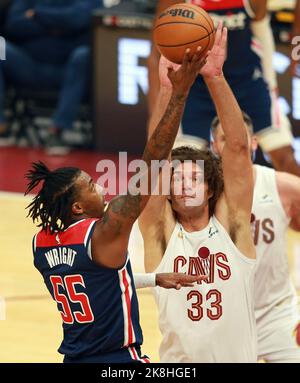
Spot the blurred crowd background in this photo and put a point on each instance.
(74, 73)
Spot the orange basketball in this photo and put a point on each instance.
(183, 26)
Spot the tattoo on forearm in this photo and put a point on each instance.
(162, 139)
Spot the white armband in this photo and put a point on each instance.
(144, 280)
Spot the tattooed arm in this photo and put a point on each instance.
(110, 237)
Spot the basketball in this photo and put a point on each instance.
(183, 26)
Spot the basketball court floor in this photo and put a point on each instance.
(30, 325)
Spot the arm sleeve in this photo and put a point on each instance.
(73, 17)
(19, 26)
(144, 280)
(262, 31)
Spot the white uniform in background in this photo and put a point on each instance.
(213, 321)
(276, 300)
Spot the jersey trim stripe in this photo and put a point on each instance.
(88, 241)
(126, 288)
(135, 356)
(88, 233)
(74, 224)
(34, 243)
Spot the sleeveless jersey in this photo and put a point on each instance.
(214, 320)
(98, 305)
(244, 52)
(273, 287)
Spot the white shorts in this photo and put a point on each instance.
(277, 341)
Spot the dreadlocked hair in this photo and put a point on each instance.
(213, 174)
(52, 205)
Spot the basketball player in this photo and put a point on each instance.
(81, 250)
(213, 322)
(249, 58)
(276, 204)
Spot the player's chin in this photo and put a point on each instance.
(189, 202)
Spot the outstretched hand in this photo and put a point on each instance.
(216, 57)
(180, 78)
(164, 64)
(177, 280)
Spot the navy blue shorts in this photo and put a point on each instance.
(125, 355)
(253, 97)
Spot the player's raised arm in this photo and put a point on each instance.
(236, 159)
(153, 60)
(110, 239)
(157, 211)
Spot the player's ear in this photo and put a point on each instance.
(77, 208)
(209, 193)
(214, 148)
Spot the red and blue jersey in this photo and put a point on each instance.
(98, 305)
(244, 52)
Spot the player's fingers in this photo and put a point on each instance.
(170, 72)
(197, 55)
(186, 57)
(202, 63)
(219, 33)
(192, 278)
(224, 38)
(178, 286)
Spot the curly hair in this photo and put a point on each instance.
(213, 174)
(52, 204)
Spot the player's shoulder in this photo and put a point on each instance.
(286, 182)
(76, 233)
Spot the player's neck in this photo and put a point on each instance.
(194, 220)
(76, 218)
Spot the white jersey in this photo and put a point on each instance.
(273, 287)
(213, 321)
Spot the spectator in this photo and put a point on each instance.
(48, 48)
